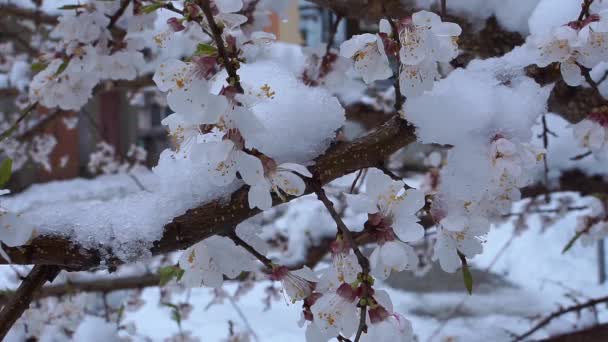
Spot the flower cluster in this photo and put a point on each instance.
(419, 42)
(88, 52)
(579, 43)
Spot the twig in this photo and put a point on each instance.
(24, 295)
(22, 117)
(540, 211)
(116, 16)
(581, 156)
(399, 98)
(346, 233)
(243, 317)
(444, 8)
(240, 242)
(233, 78)
(352, 187)
(585, 9)
(545, 162)
(558, 313)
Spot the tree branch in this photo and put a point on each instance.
(218, 217)
(558, 313)
(24, 295)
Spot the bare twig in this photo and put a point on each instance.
(399, 98)
(26, 112)
(24, 295)
(116, 16)
(261, 257)
(585, 5)
(346, 233)
(558, 313)
(233, 78)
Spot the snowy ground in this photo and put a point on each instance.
(533, 262)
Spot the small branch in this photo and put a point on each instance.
(399, 98)
(261, 257)
(558, 313)
(22, 117)
(233, 78)
(585, 9)
(116, 16)
(24, 295)
(581, 156)
(362, 326)
(547, 211)
(346, 233)
(444, 8)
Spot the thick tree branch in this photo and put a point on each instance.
(24, 295)
(219, 217)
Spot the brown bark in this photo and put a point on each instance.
(218, 217)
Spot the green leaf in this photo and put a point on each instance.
(573, 240)
(5, 171)
(169, 273)
(71, 7)
(205, 50)
(466, 273)
(62, 67)
(468, 278)
(38, 67)
(153, 7)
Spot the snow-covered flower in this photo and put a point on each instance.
(298, 284)
(367, 52)
(208, 261)
(282, 180)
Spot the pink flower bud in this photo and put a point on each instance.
(175, 24)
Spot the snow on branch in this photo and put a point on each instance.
(218, 217)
